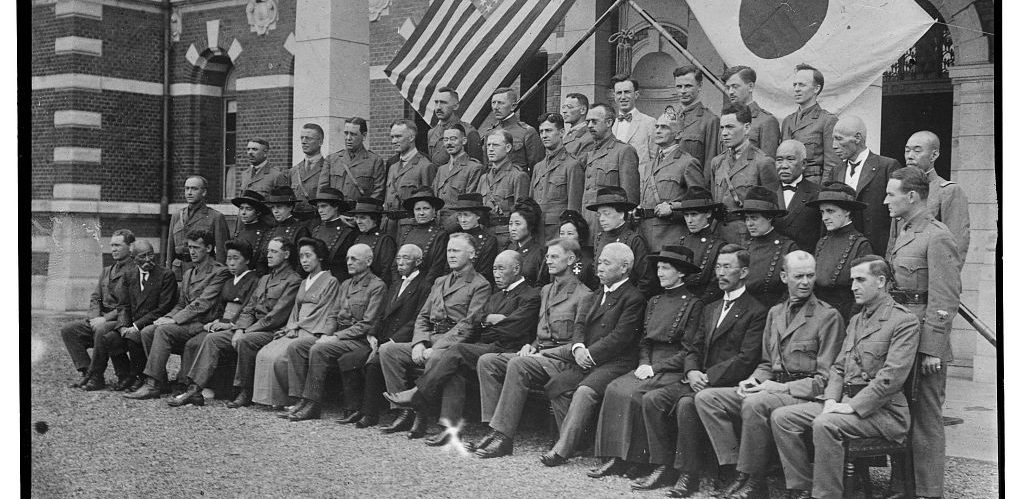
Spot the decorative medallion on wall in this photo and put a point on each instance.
(262, 16)
(379, 9)
(176, 25)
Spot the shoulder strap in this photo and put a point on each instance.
(349, 172)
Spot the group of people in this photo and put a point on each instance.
(666, 283)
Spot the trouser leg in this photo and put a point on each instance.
(132, 345)
(490, 372)
(788, 427)
(207, 356)
(830, 431)
(248, 347)
(298, 364)
(100, 349)
(523, 374)
(718, 408)
(78, 338)
(146, 334)
(691, 439)
(320, 357)
(584, 406)
(165, 339)
(373, 400)
(756, 434)
(395, 361)
(929, 434)
(660, 422)
(188, 355)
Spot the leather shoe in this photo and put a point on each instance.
(194, 395)
(351, 417)
(122, 384)
(799, 494)
(613, 466)
(754, 487)
(289, 411)
(243, 399)
(136, 384)
(311, 410)
(552, 459)
(438, 439)
(661, 476)
(419, 427)
(367, 421)
(402, 423)
(687, 485)
(80, 383)
(176, 388)
(737, 484)
(499, 445)
(150, 390)
(480, 444)
(94, 384)
(637, 470)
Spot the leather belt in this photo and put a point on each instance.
(496, 220)
(784, 377)
(644, 213)
(851, 390)
(441, 327)
(910, 297)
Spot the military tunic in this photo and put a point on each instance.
(384, 250)
(813, 127)
(435, 144)
(533, 252)
(263, 177)
(461, 175)
(184, 221)
(767, 255)
(948, 204)
(305, 182)
(501, 185)
(403, 178)
(609, 163)
(367, 168)
(833, 254)
(699, 134)
(557, 185)
(705, 245)
(578, 140)
(339, 237)
(432, 239)
(764, 130)
(630, 237)
(732, 175)
(673, 171)
(527, 149)
(255, 233)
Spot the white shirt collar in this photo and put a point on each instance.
(514, 284)
(796, 182)
(412, 275)
(406, 156)
(613, 287)
(734, 294)
(240, 276)
(862, 156)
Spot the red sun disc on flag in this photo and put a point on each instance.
(776, 28)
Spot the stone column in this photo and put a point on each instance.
(973, 167)
(76, 255)
(589, 69)
(332, 50)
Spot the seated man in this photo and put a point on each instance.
(266, 311)
(446, 318)
(864, 393)
(359, 307)
(200, 287)
(801, 339)
(507, 320)
(563, 309)
(146, 295)
(79, 335)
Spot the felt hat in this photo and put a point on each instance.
(839, 194)
(253, 198)
(423, 194)
(614, 196)
(761, 200)
(679, 256)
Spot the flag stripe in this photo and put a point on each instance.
(431, 25)
(424, 91)
(416, 41)
(454, 31)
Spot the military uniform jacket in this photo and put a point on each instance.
(879, 350)
(105, 299)
(486, 246)
(669, 316)
(234, 296)
(611, 163)
(833, 255)
(384, 250)
(767, 254)
(764, 130)
(367, 168)
(360, 305)
(500, 186)
(813, 127)
(305, 182)
(200, 288)
(562, 312)
(699, 134)
(672, 172)
(403, 179)
(459, 176)
(291, 229)
(803, 223)
(401, 310)
(557, 184)
(636, 242)
(439, 155)
(732, 175)
(705, 245)
(578, 140)
(948, 204)
(143, 306)
(527, 149)
(272, 300)
(520, 306)
(257, 234)
(806, 344)
(183, 222)
(264, 179)
(924, 258)
(454, 303)
(316, 308)
(728, 353)
(433, 240)
(534, 268)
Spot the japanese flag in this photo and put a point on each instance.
(852, 42)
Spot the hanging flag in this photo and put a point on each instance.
(472, 46)
(852, 42)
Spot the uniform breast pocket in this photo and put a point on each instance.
(560, 324)
(275, 291)
(606, 175)
(356, 309)
(805, 356)
(365, 183)
(692, 140)
(912, 273)
(813, 145)
(518, 147)
(406, 185)
(872, 356)
(557, 187)
(668, 188)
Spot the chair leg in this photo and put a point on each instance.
(860, 469)
(849, 479)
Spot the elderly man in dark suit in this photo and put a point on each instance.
(608, 163)
(863, 396)
(801, 340)
(304, 176)
(868, 173)
(723, 350)
(802, 223)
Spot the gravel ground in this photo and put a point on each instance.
(98, 443)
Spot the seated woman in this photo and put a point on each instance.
(313, 315)
(333, 229)
(367, 213)
(839, 246)
(524, 233)
(621, 434)
(472, 216)
(767, 246)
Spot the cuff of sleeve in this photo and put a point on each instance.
(577, 345)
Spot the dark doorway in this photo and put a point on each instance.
(533, 107)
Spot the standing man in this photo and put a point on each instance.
(740, 167)
(802, 223)
(609, 163)
(764, 126)
(446, 106)
(672, 171)
(946, 200)
(502, 184)
(699, 133)
(408, 170)
(801, 339)
(927, 277)
(867, 173)
(863, 395)
(459, 175)
(194, 216)
(632, 126)
(575, 137)
(79, 335)
(305, 175)
(261, 176)
(558, 179)
(811, 124)
(355, 170)
(526, 147)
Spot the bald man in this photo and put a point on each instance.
(195, 215)
(801, 223)
(867, 173)
(946, 200)
(507, 321)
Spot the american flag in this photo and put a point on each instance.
(474, 46)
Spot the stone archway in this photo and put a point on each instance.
(652, 61)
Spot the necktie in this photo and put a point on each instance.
(661, 156)
(405, 284)
(853, 167)
(789, 187)
(142, 282)
(625, 117)
(794, 307)
(604, 297)
(726, 304)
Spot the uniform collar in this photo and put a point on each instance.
(408, 155)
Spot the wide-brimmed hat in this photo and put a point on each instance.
(679, 256)
(761, 200)
(839, 194)
(614, 196)
(253, 198)
(472, 201)
(423, 194)
(281, 194)
(697, 198)
(367, 206)
(332, 195)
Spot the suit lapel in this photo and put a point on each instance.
(562, 295)
(868, 170)
(799, 320)
(451, 288)
(737, 309)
